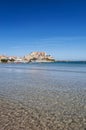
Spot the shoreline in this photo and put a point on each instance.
(33, 62)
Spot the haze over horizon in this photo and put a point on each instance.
(57, 27)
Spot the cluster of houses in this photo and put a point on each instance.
(11, 59)
(32, 57)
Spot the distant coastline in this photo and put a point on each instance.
(35, 57)
(32, 57)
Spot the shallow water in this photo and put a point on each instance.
(18, 81)
(53, 90)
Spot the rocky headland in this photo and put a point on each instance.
(32, 57)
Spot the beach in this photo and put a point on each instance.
(43, 97)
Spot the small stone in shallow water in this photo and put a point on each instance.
(85, 107)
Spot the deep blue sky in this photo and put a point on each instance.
(55, 26)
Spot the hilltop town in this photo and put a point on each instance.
(32, 57)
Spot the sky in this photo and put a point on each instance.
(57, 27)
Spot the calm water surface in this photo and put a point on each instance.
(44, 86)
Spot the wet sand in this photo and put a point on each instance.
(16, 116)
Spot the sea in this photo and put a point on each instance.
(52, 89)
